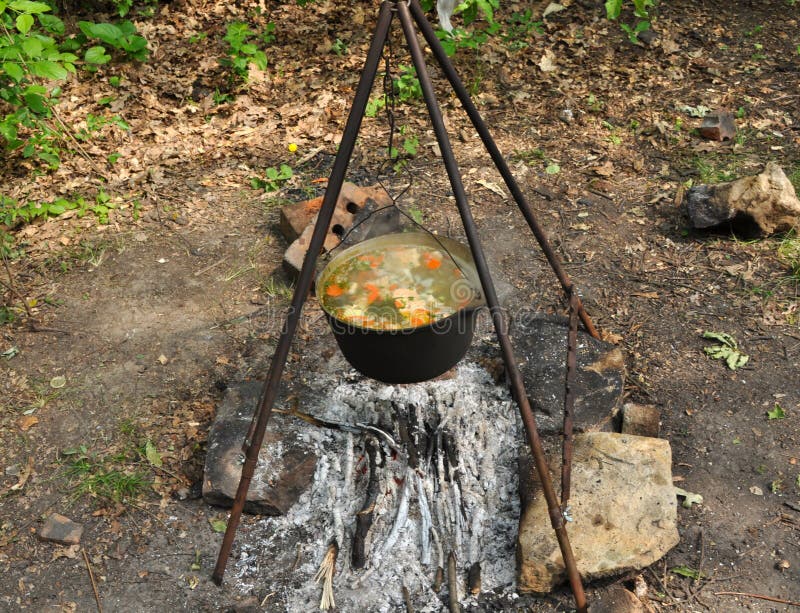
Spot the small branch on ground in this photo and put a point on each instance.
(94, 584)
(760, 597)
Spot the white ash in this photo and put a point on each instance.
(476, 515)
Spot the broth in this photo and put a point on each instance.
(395, 287)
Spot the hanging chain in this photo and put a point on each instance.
(390, 99)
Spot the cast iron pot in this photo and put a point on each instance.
(412, 354)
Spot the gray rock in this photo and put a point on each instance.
(624, 508)
(540, 345)
(285, 464)
(766, 201)
(60, 529)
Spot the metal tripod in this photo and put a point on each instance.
(409, 13)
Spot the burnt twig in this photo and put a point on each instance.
(344, 427)
(407, 600)
(474, 579)
(406, 437)
(365, 516)
(452, 584)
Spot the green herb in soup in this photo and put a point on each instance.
(394, 287)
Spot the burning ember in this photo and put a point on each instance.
(409, 477)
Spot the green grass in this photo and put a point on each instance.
(275, 288)
(712, 169)
(113, 477)
(794, 177)
(789, 253)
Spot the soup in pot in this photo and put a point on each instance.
(395, 287)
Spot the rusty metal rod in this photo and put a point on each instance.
(569, 400)
(272, 382)
(514, 375)
(497, 157)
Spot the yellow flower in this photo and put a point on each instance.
(292, 147)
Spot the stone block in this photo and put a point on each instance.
(60, 529)
(641, 420)
(350, 208)
(718, 126)
(296, 216)
(285, 465)
(352, 198)
(623, 506)
(540, 344)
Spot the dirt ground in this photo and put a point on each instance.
(140, 324)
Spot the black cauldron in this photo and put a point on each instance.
(413, 354)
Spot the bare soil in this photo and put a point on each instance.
(149, 318)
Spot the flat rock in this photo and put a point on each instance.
(60, 529)
(285, 465)
(540, 344)
(624, 509)
(760, 205)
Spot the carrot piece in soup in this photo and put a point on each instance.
(334, 290)
(373, 294)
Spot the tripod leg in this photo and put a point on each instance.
(270, 389)
(497, 157)
(514, 375)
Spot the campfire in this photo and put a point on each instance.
(409, 478)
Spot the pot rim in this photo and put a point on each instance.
(463, 260)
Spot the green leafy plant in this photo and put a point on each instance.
(686, 571)
(244, 50)
(29, 57)
(95, 123)
(776, 413)
(633, 32)
(727, 350)
(712, 169)
(519, 28)
(640, 11)
(121, 36)
(14, 214)
(339, 47)
(35, 54)
(594, 103)
(274, 178)
(375, 105)
(406, 86)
